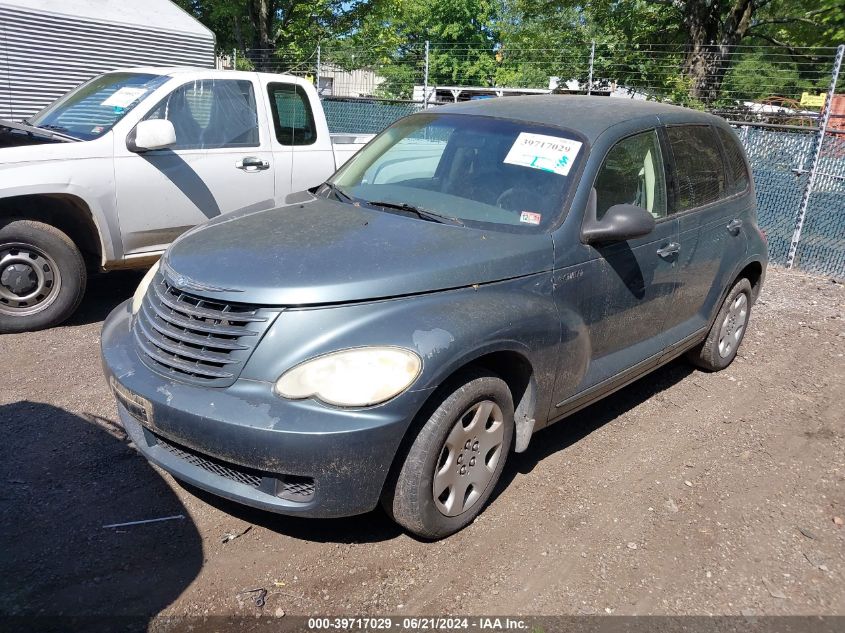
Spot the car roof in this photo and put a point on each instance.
(588, 115)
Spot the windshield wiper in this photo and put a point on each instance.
(339, 193)
(424, 214)
(56, 130)
(34, 130)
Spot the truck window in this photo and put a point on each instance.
(698, 165)
(211, 114)
(632, 173)
(92, 109)
(736, 163)
(292, 116)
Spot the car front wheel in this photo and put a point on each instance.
(453, 465)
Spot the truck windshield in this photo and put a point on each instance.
(482, 171)
(92, 109)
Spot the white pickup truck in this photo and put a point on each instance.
(108, 175)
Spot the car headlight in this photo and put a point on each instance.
(352, 378)
(146, 280)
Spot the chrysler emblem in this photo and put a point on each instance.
(183, 282)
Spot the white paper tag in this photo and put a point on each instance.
(123, 97)
(539, 151)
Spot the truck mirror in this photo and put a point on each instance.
(151, 134)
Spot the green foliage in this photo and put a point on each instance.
(757, 76)
(393, 35)
(290, 27)
(641, 44)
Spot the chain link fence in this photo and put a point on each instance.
(782, 103)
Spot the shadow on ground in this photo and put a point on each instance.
(64, 477)
(105, 291)
(376, 526)
(372, 527)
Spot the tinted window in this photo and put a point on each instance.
(698, 164)
(292, 115)
(736, 162)
(632, 173)
(484, 171)
(211, 113)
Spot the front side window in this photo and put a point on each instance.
(698, 165)
(211, 114)
(479, 170)
(292, 116)
(92, 109)
(736, 161)
(633, 173)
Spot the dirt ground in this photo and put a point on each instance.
(686, 493)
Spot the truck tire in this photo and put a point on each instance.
(42, 276)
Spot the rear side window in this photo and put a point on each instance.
(211, 114)
(632, 173)
(698, 165)
(736, 163)
(292, 116)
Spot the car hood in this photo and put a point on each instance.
(321, 252)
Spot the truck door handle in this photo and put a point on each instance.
(251, 163)
(672, 248)
(734, 226)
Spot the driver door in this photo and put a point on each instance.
(222, 161)
(639, 275)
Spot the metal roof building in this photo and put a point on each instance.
(48, 47)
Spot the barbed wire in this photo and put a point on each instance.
(755, 83)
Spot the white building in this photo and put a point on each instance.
(334, 81)
(51, 46)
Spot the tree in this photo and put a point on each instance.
(714, 28)
(276, 33)
(393, 34)
(705, 34)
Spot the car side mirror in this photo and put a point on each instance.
(151, 134)
(620, 222)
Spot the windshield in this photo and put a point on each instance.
(92, 109)
(479, 170)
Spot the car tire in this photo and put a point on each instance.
(456, 459)
(720, 347)
(42, 276)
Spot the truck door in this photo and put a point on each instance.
(222, 161)
(300, 136)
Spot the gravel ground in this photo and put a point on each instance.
(685, 493)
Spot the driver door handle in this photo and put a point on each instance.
(734, 226)
(251, 163)
(671, 249)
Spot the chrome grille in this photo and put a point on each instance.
(196, 339)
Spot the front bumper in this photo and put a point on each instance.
(246, 444)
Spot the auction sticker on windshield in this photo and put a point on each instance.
(539, 151)
(123, 97)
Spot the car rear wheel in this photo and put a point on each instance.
(42, 276)
(720, 347)
(453, 465)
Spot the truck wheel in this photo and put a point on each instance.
(456, 459)
(42, 276)
(722, 342)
